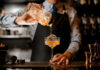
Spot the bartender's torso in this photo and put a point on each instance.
(61, 28)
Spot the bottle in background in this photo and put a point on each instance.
(3, 53)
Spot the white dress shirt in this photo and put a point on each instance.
(75, 32)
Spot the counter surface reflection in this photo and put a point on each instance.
(76, 65)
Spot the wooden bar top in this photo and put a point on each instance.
(46, 64)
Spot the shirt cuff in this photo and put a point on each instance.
(73, 47)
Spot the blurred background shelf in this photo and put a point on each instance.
(15, 36)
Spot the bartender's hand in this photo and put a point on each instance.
(61, 58)
(26, 18)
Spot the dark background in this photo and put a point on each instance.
(89, 35)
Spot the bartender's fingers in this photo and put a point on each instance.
(55, 59)
(18, 19)
(30, 20)
(57, 55)
(61, 60)
(67, 61)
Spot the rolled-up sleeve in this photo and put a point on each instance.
(75, 34)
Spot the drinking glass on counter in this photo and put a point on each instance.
(52, 41)
(93, 55)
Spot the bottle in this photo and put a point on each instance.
(2, 46)
(83, 2)
(93, 28)
(86, 26)
(96, 2)
(3, 53)
(98, 28)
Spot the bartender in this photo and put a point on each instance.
(65, 26)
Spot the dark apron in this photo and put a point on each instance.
(61, 28)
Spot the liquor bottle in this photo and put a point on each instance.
(86, 26)
(96, 2)
(93, 28)
(83, 2)
(2, 46)
(93, 2)
(98, 30)
(3, 53)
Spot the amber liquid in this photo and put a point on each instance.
(44, 20)
(52, 44)
(2, 45)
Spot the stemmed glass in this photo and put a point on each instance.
(93, 54)
(52, 41)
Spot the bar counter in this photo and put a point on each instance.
(79, 65)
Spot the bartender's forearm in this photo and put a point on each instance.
(75, 37)
(73, 47)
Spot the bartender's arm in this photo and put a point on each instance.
(73, 46)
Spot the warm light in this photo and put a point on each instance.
(13, 8)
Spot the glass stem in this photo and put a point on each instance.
(51, 53)
(51, 29)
